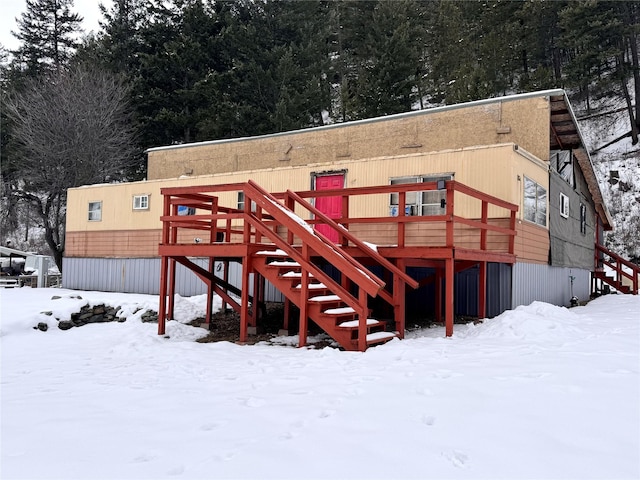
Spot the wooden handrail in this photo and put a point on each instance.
(362, 247)
(370, 283)
(617, 264)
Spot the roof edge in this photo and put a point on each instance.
(426, 111)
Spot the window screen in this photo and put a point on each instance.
(95, 211)
(535, 202)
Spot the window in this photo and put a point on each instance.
(184, 210)
(583, 219)
(95, 211)
(564, 206)
(535, 202)
(241, 202)
(562, 162)
(141, 202)
(429, 202)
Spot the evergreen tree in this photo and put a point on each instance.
(278, 67)
(392, 53)
(47, 31)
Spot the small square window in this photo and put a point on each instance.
(141, 202)
(95, 211)
(564, 206)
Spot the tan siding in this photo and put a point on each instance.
(494, 170)
(532, 243)
(119, 243)
(137, 243)
(523, 121)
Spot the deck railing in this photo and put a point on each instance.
(604, 256)
(227, 224)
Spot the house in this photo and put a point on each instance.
(467, 209)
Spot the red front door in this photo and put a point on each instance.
(330, 206)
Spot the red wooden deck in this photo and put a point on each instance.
(275, 237)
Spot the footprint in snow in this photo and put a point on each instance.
(427, 392)
(144, 457)
(326, 413)
(457, 458)
(178, 470)
(253, 402)
(210, 426)
(428, 420)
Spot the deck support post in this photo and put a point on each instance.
(244, 302)
(362, 320)
(304, 313)
(162, 309)
(438, 295)
(482, 291)
(253, 320)
(449, 304)
(287, 312)
(399, 303)
(210, 292)
(172, 287)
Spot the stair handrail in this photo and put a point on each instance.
(362, 246)
(320, 244)
(620, 261)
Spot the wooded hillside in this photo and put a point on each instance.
(202, 70)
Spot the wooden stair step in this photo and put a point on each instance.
(378, 337)
(326, 299)
(339, 311)
(296, 275)
(283, 264)
(313, 286)
(355, 323)
(272, 253)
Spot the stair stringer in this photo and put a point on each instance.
(347, 337)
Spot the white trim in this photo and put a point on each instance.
(564, 205)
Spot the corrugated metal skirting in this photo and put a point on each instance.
(142, 275)
(549, 284)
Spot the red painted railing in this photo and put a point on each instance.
(604, 256)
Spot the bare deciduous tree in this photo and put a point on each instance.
(69, 129)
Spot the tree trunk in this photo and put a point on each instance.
(632, 120)
(635, 68)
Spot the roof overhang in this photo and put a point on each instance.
(565, 135)
(12, 252)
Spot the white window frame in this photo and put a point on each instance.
(564, 206)
(95, 211)
(535, 209)
(240, 202)
(422, 203)
(141, 202)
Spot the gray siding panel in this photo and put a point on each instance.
(569, 246)
(142, 275)
(549, 284)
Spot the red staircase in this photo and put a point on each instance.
(329, 309)
(620, 269)
(274, 241)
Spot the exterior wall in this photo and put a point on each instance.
(532, 243)
(549, 284)
(522, 120)
(142, 275)
(569, 246)
(495, 170)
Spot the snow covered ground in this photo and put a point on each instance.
(539, 392)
